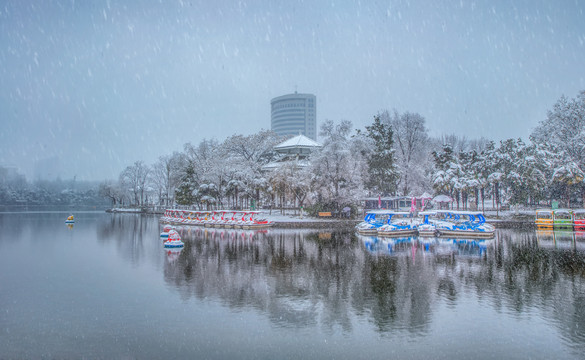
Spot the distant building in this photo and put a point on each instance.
(296, 149)
(294, 114)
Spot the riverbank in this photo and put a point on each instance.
(338, 223)
(501, 219)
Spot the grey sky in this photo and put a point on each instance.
(89, 87)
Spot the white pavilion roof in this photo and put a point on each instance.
(299, 141)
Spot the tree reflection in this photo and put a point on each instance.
(304, 278)
(128, 232)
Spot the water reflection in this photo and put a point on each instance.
(335, 279)
(409, 246)
(129, 232)
(561, 239)
(172, 254)
(387, 245)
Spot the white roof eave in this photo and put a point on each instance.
(298, 141)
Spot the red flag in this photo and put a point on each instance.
(379, 202)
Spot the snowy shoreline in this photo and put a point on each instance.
(500, 219)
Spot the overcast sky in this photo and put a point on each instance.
(89, 87)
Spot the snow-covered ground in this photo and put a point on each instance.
(277, 217)
(510, 215)
(126, 210)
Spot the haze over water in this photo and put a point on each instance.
(106, 288)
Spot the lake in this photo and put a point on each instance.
(106, 288)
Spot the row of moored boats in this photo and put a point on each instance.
(237, 219)
(448, 223)
(560, 219)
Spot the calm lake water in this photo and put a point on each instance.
(106, 288)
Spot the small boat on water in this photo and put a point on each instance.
(579, 219)
(254, 220)
(165, 233)
(227, 219)
(562, 219)
(372, 221)
(399, 224)
(174, 240)
(214, 219)
(463, 224)
(544, 218)
(232, 221)
(70, 220)
(218, 219)
(427, 227)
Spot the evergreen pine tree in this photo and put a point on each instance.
(382, 171)
(185, 193)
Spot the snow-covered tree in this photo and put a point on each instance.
(565, 127)
(300, 184)
(412, 151)
(486, 166)
(382, 170)
(209, 164)
(509, 155)
(204, 158)
(448, 172)
(293, 181)
(112, 191)
(568, 175)
(533, 174)
(208, 195)
(256, 149)
(281, 181)
(186, 192)
(564, 130)
(166, 176)
(336, 169)
(134, 178)
(245, 156)
(470, 178)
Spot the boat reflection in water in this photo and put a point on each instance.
(560, 239)
(386, 245)
(468, 247)
(436, 245)
(193, 233)
(172, 254)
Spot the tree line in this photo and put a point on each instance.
(16, 192)
(393, 156)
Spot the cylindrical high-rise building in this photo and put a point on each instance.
(294, 114)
